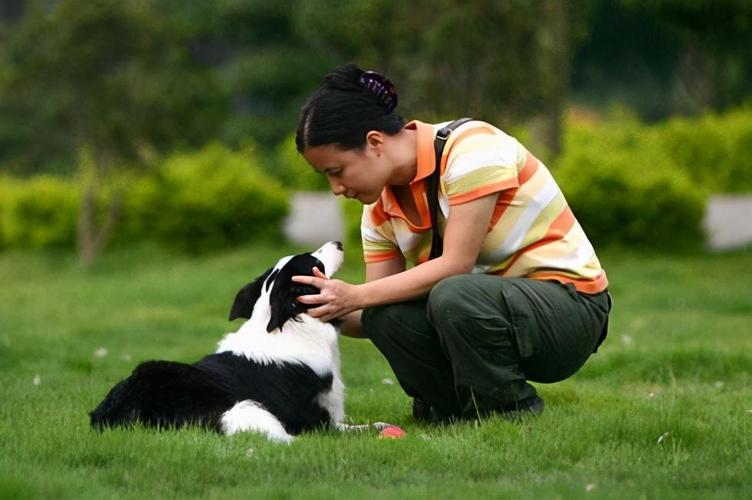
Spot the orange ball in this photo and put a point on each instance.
(392, 432)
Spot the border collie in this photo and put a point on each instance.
(278, 375)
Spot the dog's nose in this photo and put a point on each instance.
(339, 245)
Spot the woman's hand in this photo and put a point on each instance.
(336, 298)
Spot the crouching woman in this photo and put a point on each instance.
(515, 292)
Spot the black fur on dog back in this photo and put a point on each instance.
(169, 394)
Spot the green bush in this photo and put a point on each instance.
(39, 212)
(198, 201)
(7, 184)
(625, 187)
(627, 183)
(352, 211)
(290, 168)
(210, 199)
(714, 150)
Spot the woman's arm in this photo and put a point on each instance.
(351, 326)
(379, 270)
(466, 229)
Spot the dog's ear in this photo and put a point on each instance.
(246, 298)
(285, 305)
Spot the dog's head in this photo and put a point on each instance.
(276, 285)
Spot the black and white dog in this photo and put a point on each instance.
(278, 375)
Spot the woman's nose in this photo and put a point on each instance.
(336, 187)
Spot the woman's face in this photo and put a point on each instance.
(356, 173)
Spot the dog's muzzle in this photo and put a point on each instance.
(331, 255)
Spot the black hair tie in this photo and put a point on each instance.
(381, 87)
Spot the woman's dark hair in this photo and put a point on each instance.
(350, 103)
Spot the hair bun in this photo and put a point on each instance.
(381, 87)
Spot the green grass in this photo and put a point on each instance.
(664, 410)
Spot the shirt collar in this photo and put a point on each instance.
(426, 155)
(425, 165)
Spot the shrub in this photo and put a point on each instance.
(714, 150)
(625, 187)
(290, 168)
(7, 184)
(39, 212)
(352, 211)
(209, 199)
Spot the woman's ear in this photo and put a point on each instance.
(375, 140)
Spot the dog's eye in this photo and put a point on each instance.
(304, 290)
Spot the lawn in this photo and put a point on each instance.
(664, 410)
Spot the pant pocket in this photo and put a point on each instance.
(604, 332)
(520, 335)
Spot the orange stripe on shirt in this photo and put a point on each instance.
(483, 191)
(560, 226)
(556, 231)
(529, 169)
(456, 138)
(592, 287)
(505, 198)
(371, 257)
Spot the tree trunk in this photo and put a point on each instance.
(695, 86)
(92, 239)
(554, 58)
(93, 234)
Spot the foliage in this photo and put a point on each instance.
(352, 212)
(627, 182)
(133, 77)
(624, 187)
(683, 57)
(165, 73)
(110, 78)
(208, 200)
(714, 150)
(257, 57)
(7, 184)
(205, 200)
(466, 58)
(290, 168)
(39, 212)
(109, 75)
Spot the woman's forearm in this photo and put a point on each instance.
(410, 284)
(351, 326)
(466, 229)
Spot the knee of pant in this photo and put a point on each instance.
(448, 297)
(378, 321)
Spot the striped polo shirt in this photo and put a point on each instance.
(532, 233)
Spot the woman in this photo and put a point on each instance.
(517, 294)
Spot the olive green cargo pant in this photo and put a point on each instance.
(475, 341)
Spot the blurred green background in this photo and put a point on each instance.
(174, 120)
(147, 163)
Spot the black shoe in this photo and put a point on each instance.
(532, 406)
(422, 412)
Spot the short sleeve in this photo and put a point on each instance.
(480, 165)
(377, 235)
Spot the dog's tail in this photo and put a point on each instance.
(163, 394)
(120, 407)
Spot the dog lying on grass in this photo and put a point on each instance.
(278, 375)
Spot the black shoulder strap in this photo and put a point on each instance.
(432, 185)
